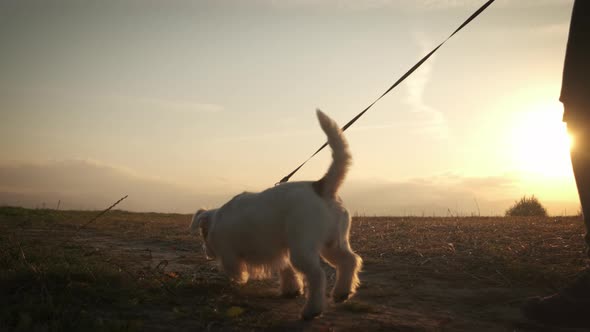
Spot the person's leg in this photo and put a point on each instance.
(570, 307)
(580, 155)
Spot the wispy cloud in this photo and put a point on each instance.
(433, 121)
(178, 105)
(417, 5)
(335, 4)
(446, 4)
(271, 135)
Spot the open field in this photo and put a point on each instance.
(144, 272)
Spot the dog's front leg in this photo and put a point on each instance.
(291, 285)
(308, 263)
(235, 269)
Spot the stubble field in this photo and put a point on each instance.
(144, 272)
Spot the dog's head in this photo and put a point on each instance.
(202, 221)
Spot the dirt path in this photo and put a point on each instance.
(394, 296)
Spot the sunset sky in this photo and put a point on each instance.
(183, 104)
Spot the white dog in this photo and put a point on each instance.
(288, 228)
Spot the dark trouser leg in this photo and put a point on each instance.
(580, 155)
(570, 307)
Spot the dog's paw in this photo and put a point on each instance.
(339, 298)
(310, 314)
(291, 294)
(312, 309)
(238, 278)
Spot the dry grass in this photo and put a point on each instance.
(142, 271)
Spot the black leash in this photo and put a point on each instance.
(401, 79)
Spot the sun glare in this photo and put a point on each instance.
(541, 142)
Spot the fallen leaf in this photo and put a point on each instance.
(234, 311)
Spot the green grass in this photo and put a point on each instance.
(64, 288)
(51, 279)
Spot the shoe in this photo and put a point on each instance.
(569, 307)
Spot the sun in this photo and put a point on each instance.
(540, 141)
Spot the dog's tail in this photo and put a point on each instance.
(328, 185)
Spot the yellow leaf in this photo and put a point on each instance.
(234, 311)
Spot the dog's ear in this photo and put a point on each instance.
(204, 222)
(197, 220)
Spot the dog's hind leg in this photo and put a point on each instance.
(307, 261)
(291, 285)
(347, 265)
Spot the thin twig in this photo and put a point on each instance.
(38, 273)
(477, 204)
(24, 257)
(91, 221)
(102, 213)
